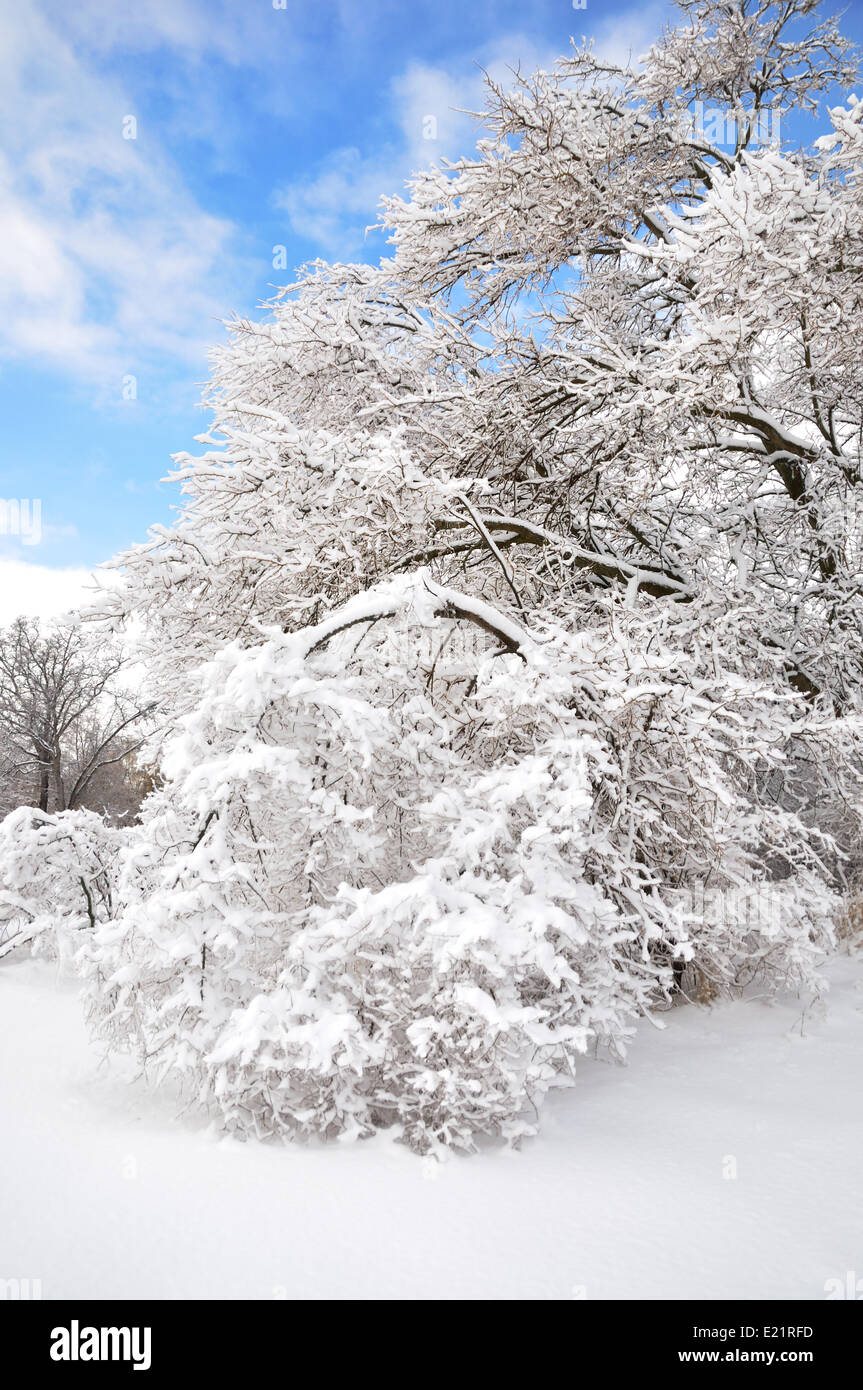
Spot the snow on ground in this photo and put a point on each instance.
(107, 1193)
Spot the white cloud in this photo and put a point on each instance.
(36, 591)
(221, 28)
(624, 38)
(109, 261)
(333, 208)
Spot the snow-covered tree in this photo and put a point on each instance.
(67, 722)
(57, 878)
(512, 618)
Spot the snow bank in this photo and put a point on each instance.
(107, 1193)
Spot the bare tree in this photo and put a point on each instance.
(65, 718)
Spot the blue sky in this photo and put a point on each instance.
(254, 127)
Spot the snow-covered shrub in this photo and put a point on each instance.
(363, 901)
(57, 876)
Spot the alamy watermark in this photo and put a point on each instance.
(720, 126)
(77, 1343)
(850, 1288)
(22, 517)
(20, 1290)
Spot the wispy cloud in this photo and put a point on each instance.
(625, 37)
(108, 258)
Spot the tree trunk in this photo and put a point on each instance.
(59, 788)
(42, 793)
